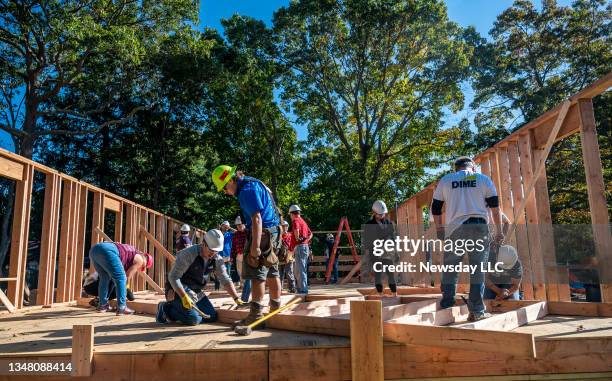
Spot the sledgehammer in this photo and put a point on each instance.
(246, 330)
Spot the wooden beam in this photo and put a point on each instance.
(20, 236)
(367, 361)
(82, 350)
(351, 273)
(97, 220)
(528, 205)
(80, 249)
(11, 169)
(48, 241)
(516, 344)
(7, 303)
(510, 320)
(522, 242)
(597, 196)
(455, 314)
(542, 160)
(102, 235)
(119, 225)
(112, 204)
(144, 233)
(557, 278)
(151, 282)
(580, 309)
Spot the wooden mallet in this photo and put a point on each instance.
(246, 330)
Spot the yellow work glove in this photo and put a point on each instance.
(187, 302)
(239, 302)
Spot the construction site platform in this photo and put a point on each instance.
(311, 341)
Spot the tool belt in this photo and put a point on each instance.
(269, 245)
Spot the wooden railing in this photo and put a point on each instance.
(68, 228)
(512, 164)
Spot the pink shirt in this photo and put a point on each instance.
(127, 254)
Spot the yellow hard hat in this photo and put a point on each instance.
(222, 175)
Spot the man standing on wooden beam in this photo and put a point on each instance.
(467, 196)
(262, 220)
(186, 281)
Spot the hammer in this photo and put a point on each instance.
(246, 330)
(205, 316)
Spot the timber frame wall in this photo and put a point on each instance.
(69, 229)
(512, 164)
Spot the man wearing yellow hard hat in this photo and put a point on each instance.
(262, 221)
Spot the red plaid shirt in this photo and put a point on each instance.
(238, 243)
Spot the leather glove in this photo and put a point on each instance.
(187, 302)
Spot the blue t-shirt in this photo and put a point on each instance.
(254, 197)
(227, 243)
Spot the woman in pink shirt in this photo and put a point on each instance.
(117, 262)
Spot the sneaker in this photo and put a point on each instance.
(125, 310)
(473, 317)
(160, 317)
(292, 291)
(104, 308)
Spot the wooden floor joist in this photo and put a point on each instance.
(510, 320)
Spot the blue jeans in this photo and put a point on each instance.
(489, 294)
(175, 311)
(301, 253)
(287, 270)
(246, 290)
(106, 261)
(474, 231)
(334, 274)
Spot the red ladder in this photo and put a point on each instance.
(343, 224)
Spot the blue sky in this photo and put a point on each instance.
(479, 13)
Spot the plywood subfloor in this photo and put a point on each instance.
(50, 330)
(558, 327)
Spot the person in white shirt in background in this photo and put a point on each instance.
(468, 196)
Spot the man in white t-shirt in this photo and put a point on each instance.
(468, 196)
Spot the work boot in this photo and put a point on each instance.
(473, 317)
(274, 305)
(255, 313)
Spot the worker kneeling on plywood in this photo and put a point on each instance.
(186, 301)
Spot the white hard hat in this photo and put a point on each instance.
(379, 207)
(185, 228)
(238, 221)
(508, 256)
(214, 239)
(285, 223)
(294, 208)
(225, 223)
(330, 236)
